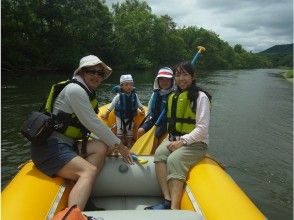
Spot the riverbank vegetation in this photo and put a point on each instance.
(280, 55)
(289, 74)
(52, 35)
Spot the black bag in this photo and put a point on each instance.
(37, 128)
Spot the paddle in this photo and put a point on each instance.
(198, 55)
(144, 144)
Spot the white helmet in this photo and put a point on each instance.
(126, 78)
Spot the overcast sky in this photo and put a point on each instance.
(255, 24)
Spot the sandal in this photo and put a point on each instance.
(166, 204)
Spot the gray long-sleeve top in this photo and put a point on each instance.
(74, 99)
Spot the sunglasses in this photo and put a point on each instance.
(96, 72)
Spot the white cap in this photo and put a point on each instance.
(92, 60)
(126, 78)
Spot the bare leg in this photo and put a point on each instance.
(129, 141)
(122, 138)
(85, 174)
(161, 173)
(96, 153)
(155, 145)
(140, 132)
(176, 191)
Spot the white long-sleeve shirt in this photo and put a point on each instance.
(74, 99)
(200, 133)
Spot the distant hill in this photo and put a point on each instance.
(280, 55)
(283, 49)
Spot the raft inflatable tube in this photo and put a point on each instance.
(211, 191)
(33, 195)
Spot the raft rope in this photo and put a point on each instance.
(193, 200)
(56, 201)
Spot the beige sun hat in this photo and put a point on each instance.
(92, 60)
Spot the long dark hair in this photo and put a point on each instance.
(193, 90)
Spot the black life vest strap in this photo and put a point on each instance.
(85, 138)
(125, 123)
(172, 121)
(63, 120)
(183, 120)
(91, 95)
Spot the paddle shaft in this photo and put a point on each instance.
(198, 55)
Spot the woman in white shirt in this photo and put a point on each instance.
(188, 114)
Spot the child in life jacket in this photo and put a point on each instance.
(125, 104)
(156, 115)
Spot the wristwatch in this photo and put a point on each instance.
(115, 146)
(183, 141)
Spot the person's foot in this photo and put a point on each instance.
(166, 204)
(93, 218)
(90, 206)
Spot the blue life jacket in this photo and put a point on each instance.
(127, 106)
(158, 105)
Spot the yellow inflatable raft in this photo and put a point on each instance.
(124, 190)
(33, 195)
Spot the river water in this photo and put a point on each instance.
(250, 132)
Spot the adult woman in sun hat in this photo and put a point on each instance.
(156, 115)
(74, 107)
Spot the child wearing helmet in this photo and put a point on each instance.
(125, 104)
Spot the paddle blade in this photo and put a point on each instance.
(144, 145)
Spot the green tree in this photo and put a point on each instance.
(133, 29)
(74, 29)
(53, 33)
(238, 48)
(20, 34)
(168, 46)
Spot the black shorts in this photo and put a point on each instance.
(52, 156)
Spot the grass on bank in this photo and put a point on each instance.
(289, 73)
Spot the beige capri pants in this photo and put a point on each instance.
(181, 160)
